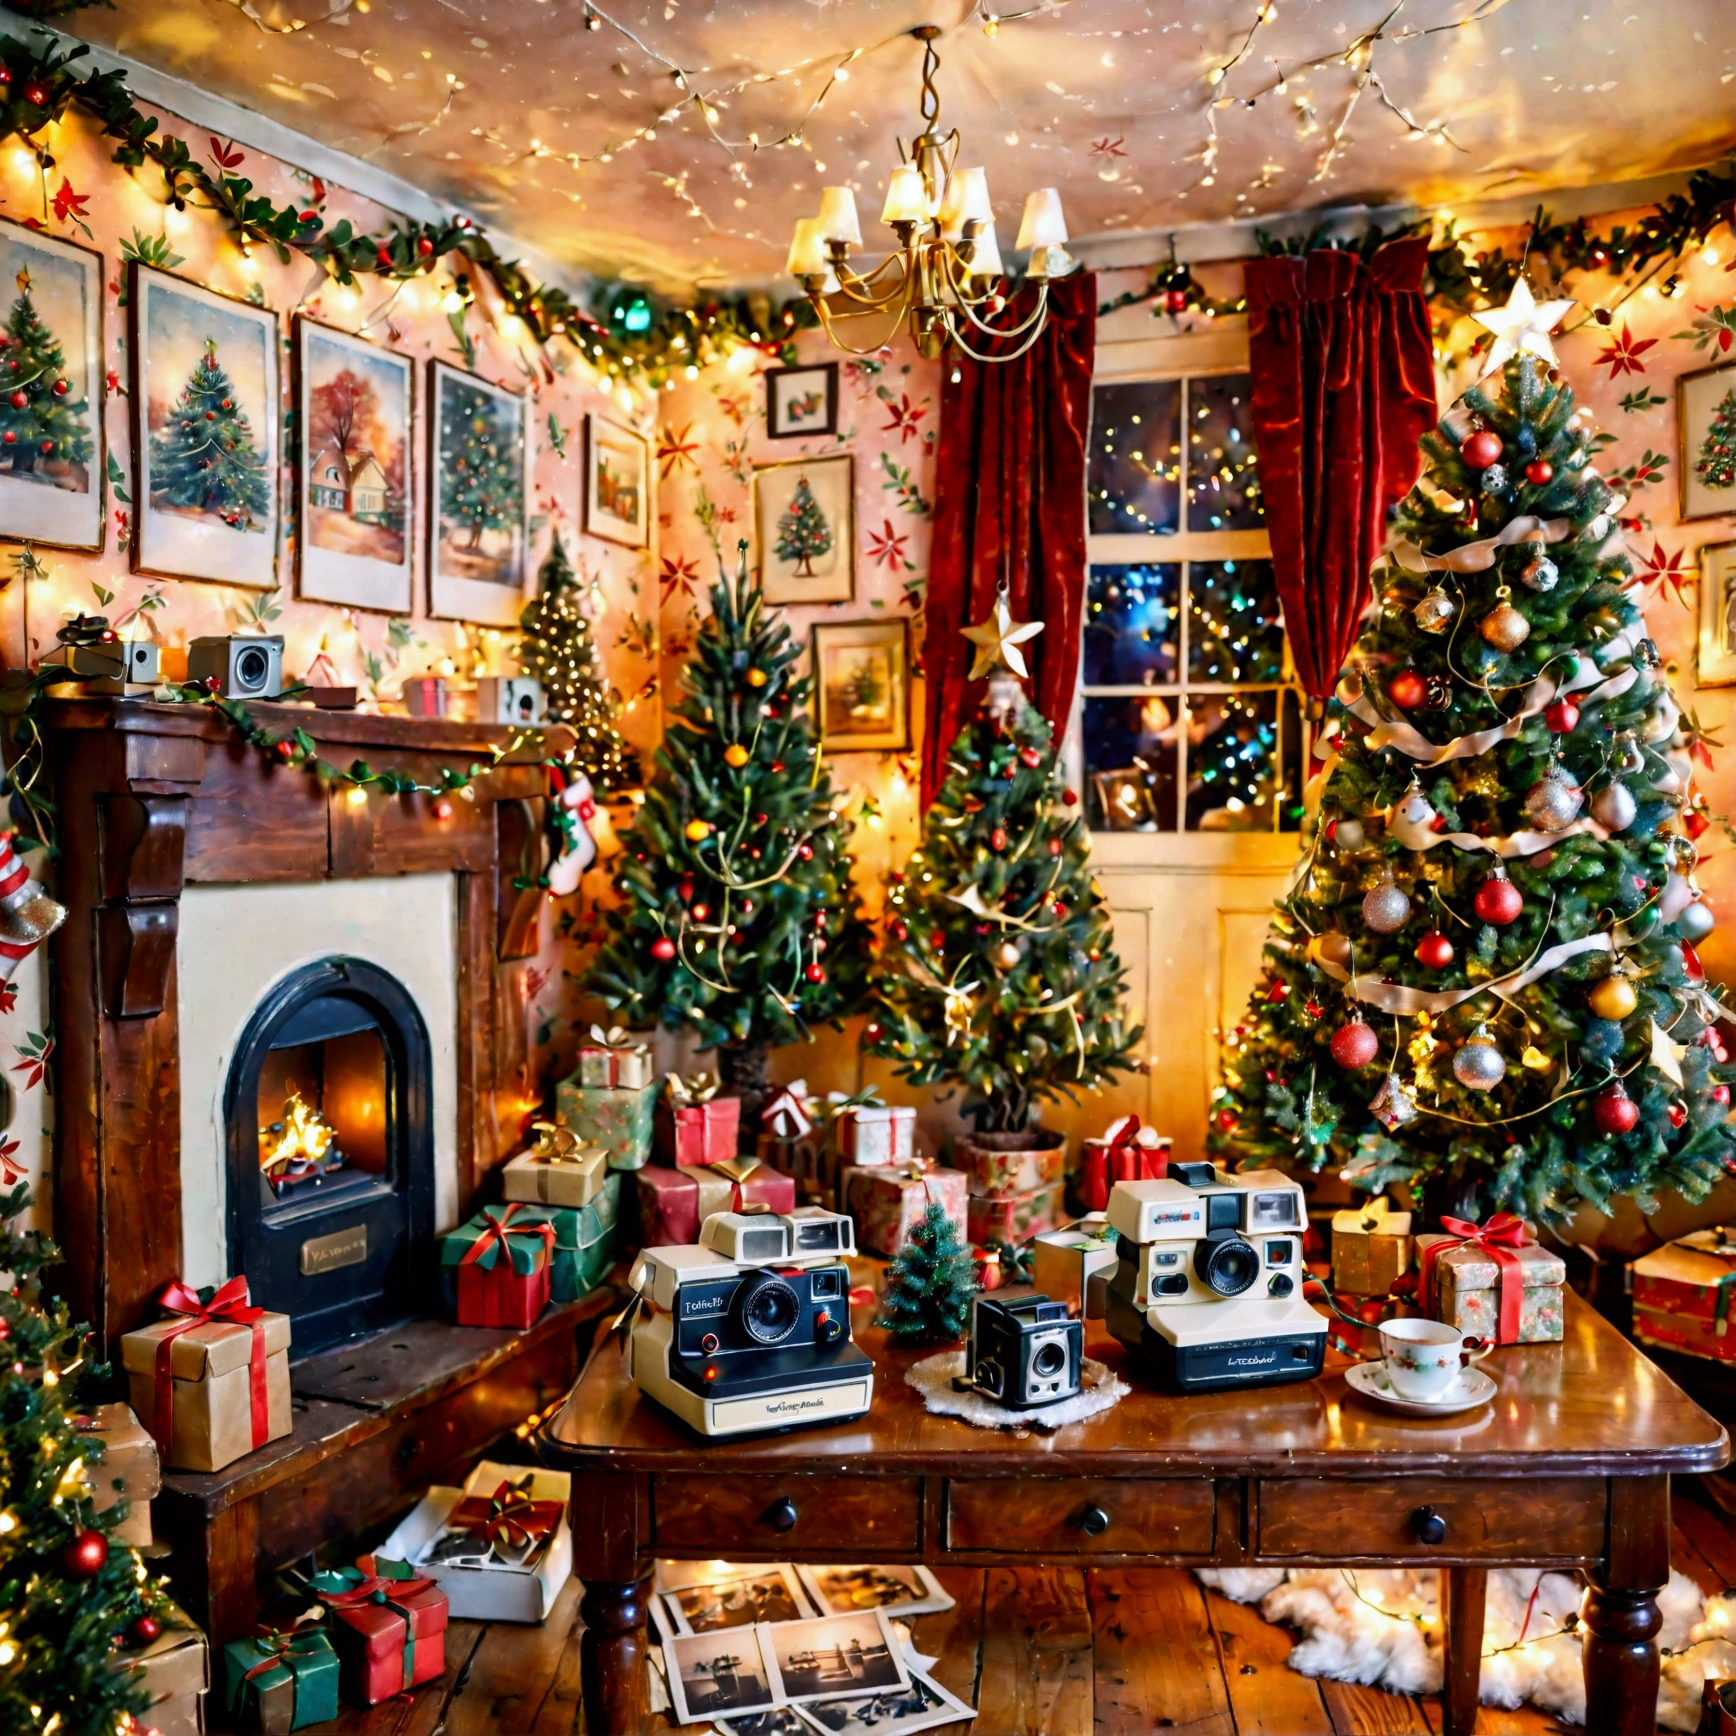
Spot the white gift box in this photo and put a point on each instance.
(495, 1588)
(867, 1134)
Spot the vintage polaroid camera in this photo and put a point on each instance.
(750, 1329)
(1025, 1352)
(1208, 1285)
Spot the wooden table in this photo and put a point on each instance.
(1568, 1467)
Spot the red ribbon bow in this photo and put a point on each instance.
(508, 1513)
(1500, 1236)
(228, 1306)
(281, 1644)
(496, 1230)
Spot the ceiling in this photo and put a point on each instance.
(508, 107)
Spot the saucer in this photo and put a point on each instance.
(1472, 1388)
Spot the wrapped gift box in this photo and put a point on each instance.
(696, 1135)
(1073, 1265)
(176, 1667)
(1471, 1284)
(500, 1547)
(611, 1057)
(673, 1203)
(584, 1247)
(278, 1682)
(1371, 1248)
(211, 1381)
(559, 1170)
(874, 1133)
(996, 1174)
(1126, 1152)
(131, 1470)
(888, 1200)
(1682, 1296)
(616, 1117)
(388, 1626)
(787, 1114)
(1013, 1217)
(500, 1260)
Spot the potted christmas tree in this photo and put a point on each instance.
(999, 970)
(1483, 980)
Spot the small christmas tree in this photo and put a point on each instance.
(43, 426)
(69, 1594)
(557, 648)
(1000, 970)
(203, 458)
(738, 920)
(481, 466)
(1717, 465)
(803, 531)
(929, 1284)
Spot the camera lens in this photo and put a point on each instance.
(1228, 1266)
(1050, 1360)
(766, 1308)
(251, 668)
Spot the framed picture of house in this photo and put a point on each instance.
(207, 416)
(479, 483)
(617, 483)
(802, 401)
(862, 685)
(51, 446)
(1706, 426)
(355, 500)
(1717, 660)
(804, 518)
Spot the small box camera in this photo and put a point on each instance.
(112, 667)
(807, 1233)
(510, 699)
(245, 666)
(1025, 1352)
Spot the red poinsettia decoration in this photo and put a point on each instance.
(68, 203)
(904, 418)
(678, 574)
(887, 546)
(677, 448)
(11, 1170)
(1622, 356)
(1664, 569)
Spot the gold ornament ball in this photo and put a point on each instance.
(1613, 998)
(697, 831)
(735, 755)
(1007, 955)
(756, 678)
(1504, 627)
(1435, 612)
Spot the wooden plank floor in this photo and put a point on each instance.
(1041, 1651)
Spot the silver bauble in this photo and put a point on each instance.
(1393, 1105)
(1349, 835)
(1695, 923)
(1495, 479)
(1614, 808)
(1539, 574)
(1504, 627)
(1553, 802)
(1479, 1065)
(1386, 909)
(1435, 612)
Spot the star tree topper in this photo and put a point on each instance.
(1522, 327)
(998, 640)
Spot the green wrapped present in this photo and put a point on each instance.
(584, 1241)
(616, 1117)
(281, 1681)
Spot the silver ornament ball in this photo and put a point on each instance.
(1695, 923)
(1625, 754)
(1393, 1105)
(1495, 479)
(1349, 835)
(1539, 574)
(1553, 802)
(1386, 909)
(1614, 808)
(1435, 612)
(1504, 627)
(1479, 1065)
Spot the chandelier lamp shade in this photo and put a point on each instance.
(946, 278)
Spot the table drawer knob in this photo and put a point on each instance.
(1428, 1525)
(1094, 1521)
(781, 1515)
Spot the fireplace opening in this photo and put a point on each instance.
(330, 1153)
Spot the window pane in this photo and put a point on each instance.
(1223, 484)
(1232, 740)
(1235, 632)
(1290, 761)
(1130, 752)
(1132, 626)
(1135, 473)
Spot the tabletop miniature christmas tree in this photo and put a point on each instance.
(557, 648)
(929, 1284)
(44, 423)
(738, 921)
(1483, 978)
(203, 457)
(1000, 973)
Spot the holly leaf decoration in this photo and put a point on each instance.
(1715, 329)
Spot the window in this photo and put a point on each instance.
(1190, 718)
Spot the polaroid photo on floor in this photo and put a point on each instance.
(835, 1655)
(920, 1705)
(716, 1674)
(900, 1591)
(732, 1595)
(780, 1721)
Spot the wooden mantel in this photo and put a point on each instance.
(154, 797)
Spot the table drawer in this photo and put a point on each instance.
(1330, 1518)
(1114, 1516)
(849, 1514)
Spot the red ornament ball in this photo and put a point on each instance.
(1691, 962)
(663, 948)
(1408, 690)
(1055, 846)
(1499, 901)
(47, 446)
(143, 1629)
(1613, 1110)
(1354, 1045)
(701, 912)
(998, 838)
(937, 940)
(1562, 717)
(424, 246)
(62, 387)
(1030, 757)
(1719, 1094)
(900, 932)
(1539, 471)
(815, 973)
(805, 851)
(1482, 449)
(36, 94)
(1070, 797)
(1678, 1113)
(5, 75)
(1434, 951)
(84, 1556)
(20, 401)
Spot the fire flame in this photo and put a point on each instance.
(306, 1137)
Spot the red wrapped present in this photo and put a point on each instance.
(1682, 1295)
(888, 1201)
(1013, 1217)
(695, 1126)
(1126, 1152)
(785, 1115)
(388, 1626)
(1492, 1280)
(502, 1259)
(673, 1203)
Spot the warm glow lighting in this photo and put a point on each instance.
(306, 1137)
(906, 197)
(807, 250)
(358, 797)
(837, 220)
(967, 198)
(1043, 225)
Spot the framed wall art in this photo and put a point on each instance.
(207, 424)
(355, 494)
(802, 401)
(1706, 426)
(478, 470)
(617, 483)
(1717, 660)
(862, 685)
(51, 445)
(804, 517)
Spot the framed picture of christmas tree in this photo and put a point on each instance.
(862, 685)
(355, 495)
(207, 419)
(479, 469)
(51, 363)
(1706, 417)
(804, 518)
(617, 483)
(1717, 660)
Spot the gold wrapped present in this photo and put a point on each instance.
(1371, 1248)
(559, 1170)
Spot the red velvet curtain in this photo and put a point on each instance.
(1343, 388)
(1010, 506)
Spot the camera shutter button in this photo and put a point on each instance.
(708, 1344)
(781, 1515)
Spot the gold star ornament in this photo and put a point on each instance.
(1521, 328)
(998, 640)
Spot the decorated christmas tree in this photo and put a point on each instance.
(929, 1284)
(1717, 462)
(1000, 973)
(738, 921)
(556, 647)
(481, 467)
(803, 531)
(1483, 978)
(203, 458)
(43, 425)
(69, 1594)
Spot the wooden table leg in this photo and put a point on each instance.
(1463, 1591)
(1619, 1612)
(612, 1656)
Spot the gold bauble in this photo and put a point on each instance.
(1613, 998)
(735, 755)
(1007, 955)
(698, 831)
(1504, 627)
(756, 678)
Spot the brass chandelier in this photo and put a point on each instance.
(947, 273)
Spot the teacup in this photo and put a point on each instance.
(1424, 1357)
